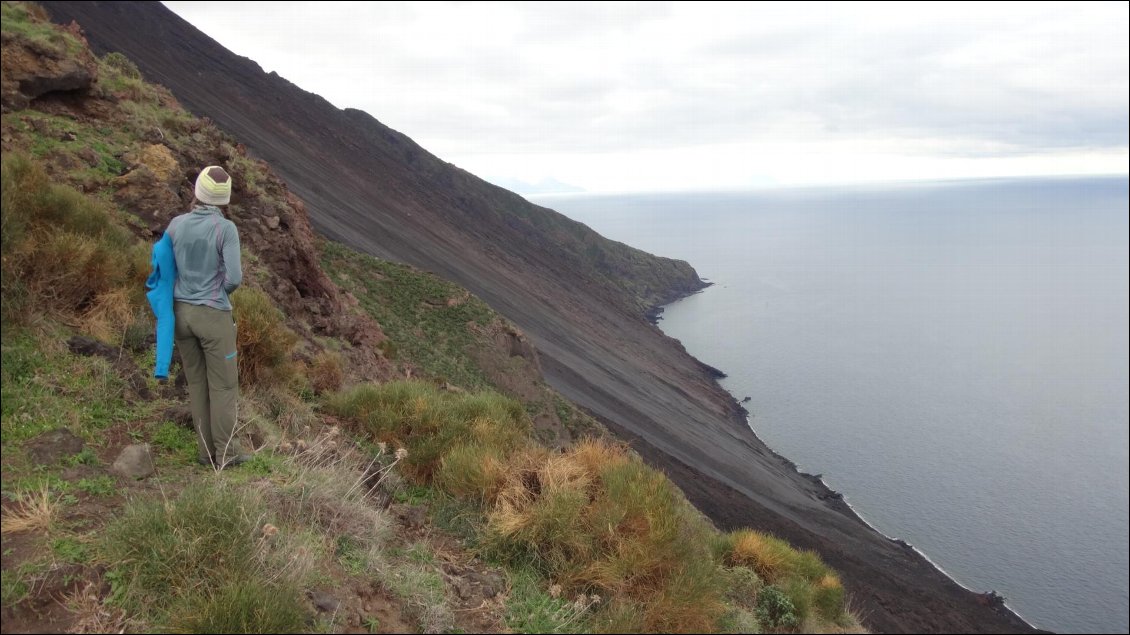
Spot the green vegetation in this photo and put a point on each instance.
(811, 588)
(177, 440)
(263, 339)
(70, 550)
(607, 529)
(776, 610)
(98, 486)
(85, 457)
(44, 387)
(428, 320)
(30, 21)
(431, 423)
(532, 609)
(64, 254)
(200, 563)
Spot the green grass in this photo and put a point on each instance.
(414, 494)
(57, 141)
(429, 422)
(17, 484)
(531, 609)
(413, 310)
(177, 440)
(420, 553)
(238, 606)
(46, 387)
(29, 21)
(423, 593)
(98, 486)
(70, 550)
(351, 555)
(18, 582)
(198, 564)
(594, 519)
(84, 457)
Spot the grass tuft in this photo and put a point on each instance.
(203, 561)
(35, 511)
(263, 339)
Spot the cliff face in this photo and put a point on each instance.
(581, 298)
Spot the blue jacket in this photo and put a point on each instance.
(160, 285)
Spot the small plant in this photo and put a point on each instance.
(97, 486)
(261, 464)
(122, 64)
(531, 609)
(177, 440)
(85, 457)
(775, 609)
(326, 372)
(21, 580)
(419, 552)
(69, 550)
(413, 495)
(350, 555)
(371, 623)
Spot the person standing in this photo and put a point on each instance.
(206, 249)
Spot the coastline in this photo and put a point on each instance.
(1011, 620)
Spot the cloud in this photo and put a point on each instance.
(468, 79)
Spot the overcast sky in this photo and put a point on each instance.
(660, 96)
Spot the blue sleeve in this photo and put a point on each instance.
(160, 295)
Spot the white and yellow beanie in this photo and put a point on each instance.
(213, 186)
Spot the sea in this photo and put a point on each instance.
(951, 356)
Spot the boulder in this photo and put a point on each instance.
(135, 461)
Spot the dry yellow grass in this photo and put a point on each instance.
(91, 615)
(475, 471)
(36, 511)
(263, 338)
(766, 555)
(109, 315)
(508, 516)
(326, 373)
(595, 455)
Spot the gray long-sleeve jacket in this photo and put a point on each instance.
(206, 247)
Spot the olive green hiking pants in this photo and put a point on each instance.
(206, 340)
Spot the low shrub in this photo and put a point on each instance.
(263, 340)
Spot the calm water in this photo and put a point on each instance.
(953, 357)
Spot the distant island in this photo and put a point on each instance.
(548, 185)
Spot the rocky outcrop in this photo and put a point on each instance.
(51, 447)
(31, 68)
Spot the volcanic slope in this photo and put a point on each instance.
(581, 298)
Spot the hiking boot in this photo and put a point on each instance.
(206, 461)
(238, 460)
